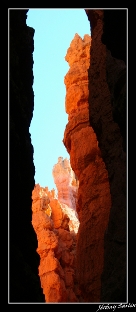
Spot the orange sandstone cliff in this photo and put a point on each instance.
(56, 225)
(94, 199)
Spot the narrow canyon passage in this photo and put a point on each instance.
(71, 260)
(70, 245)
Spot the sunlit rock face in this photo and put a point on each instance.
(94, 200)
(56, 225)
(66, 182)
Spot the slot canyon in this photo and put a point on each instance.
(70, 245)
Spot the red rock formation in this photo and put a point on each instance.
(94, 201)
(107, 110)
(56, 235)
(66, 182)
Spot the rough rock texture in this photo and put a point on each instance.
(66, 182)
(67, 189)
(107, 115)
(24, 283)
(56, 246)
(94, 200)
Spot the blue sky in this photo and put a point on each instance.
(54, 31)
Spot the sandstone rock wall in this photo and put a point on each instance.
(107, 115)
(94, 200)
(56, 226)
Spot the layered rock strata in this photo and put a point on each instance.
(94, 200)
(107, 115)
(56, 226)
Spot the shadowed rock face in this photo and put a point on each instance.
(23, 262)
(107, 115)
